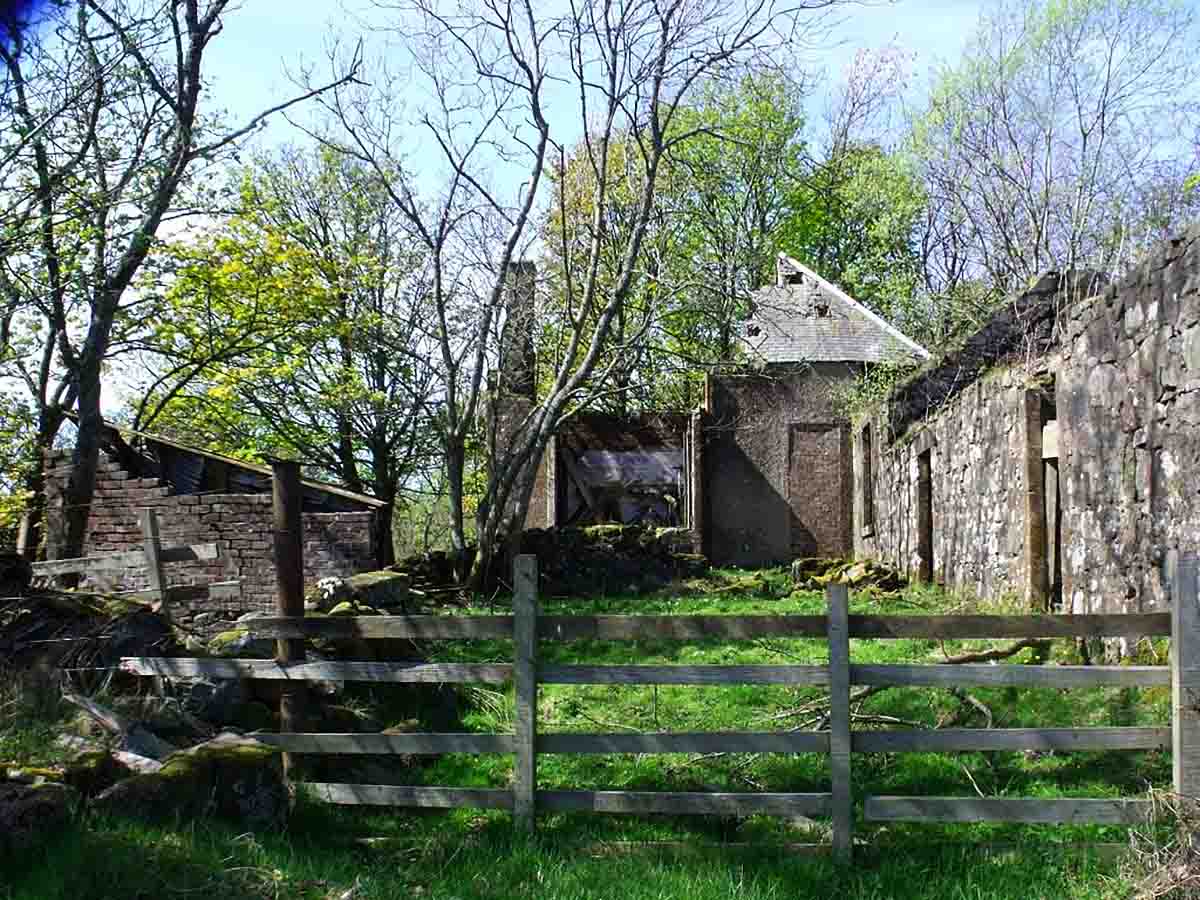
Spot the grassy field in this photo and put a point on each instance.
(470, 854)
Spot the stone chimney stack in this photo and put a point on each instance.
(518, 364)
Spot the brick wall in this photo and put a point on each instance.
(240, 524)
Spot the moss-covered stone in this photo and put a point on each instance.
(94, 771)
(30, 813)
(239, 642)
(230, 777)
(353, 608)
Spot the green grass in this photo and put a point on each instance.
(471, 854)
(468, 856)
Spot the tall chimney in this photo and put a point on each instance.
(518, 364)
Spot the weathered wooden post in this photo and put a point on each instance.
(152, 546)
(525, 574)
(1185, 677)
(287, 501)
(841, 798)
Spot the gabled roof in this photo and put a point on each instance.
(804, 318)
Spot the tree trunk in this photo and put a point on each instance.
(82, 484)
(456, 455)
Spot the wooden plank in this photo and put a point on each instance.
(1185, 677)
(1005, 675)
(152, 551)
(392, 795)
(576, 476)
(384, 627)
(685, 742)
(287, 498)
(190, 553)
(841, 799)
(388, 743)
(700, 804)
(1006, 809)
(1039, 626)
(621, 628)
(953, 739)
(270, 670)
(684, 675)
(183, 593)
(130, 559)
(525, 689)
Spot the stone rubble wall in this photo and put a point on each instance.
(1129, 419)
(975, 443)
(335, 544)
(1125, 363)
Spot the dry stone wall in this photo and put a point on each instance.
(335, 544)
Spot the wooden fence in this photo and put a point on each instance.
(154, 557)
(526, 628)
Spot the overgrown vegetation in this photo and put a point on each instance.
(363, 853)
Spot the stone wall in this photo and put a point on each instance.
(975, 444)
(240, 524)
(756, 425)
(1129, 419)
(1121, 372)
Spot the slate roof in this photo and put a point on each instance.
(805, 318)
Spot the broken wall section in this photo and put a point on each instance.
(1101, 386)
(777, 478)
(335, 544)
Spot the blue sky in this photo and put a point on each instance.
(246, 62)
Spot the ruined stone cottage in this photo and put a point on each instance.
(202, 497)
(1052, 456)
(762, 472)
(1049, 457)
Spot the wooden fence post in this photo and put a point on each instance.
(1185, 677)
(152, 546)
(287, 499)
(841, 798)
(525, 574)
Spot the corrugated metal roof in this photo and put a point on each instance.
(812, 320)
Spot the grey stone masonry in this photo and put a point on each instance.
(1071, 413)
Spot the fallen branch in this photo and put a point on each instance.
(817, 711)
(994, 653)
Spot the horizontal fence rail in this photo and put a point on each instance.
(628, 628)
(526, 627)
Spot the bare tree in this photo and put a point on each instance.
(1038, 146)
(103, 124)
(512, 87)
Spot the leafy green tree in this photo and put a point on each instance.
(301, 327)
(1041, 148)
(710, 240)
(101, 126)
